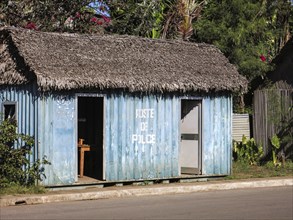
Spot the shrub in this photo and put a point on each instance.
(247, 151)
(276, 144)
(15, 167)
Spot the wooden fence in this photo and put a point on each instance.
(273, 114)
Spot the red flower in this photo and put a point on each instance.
(263, 58)
(77, 15)
(106, 19)
(99, 22)
(94, 19)
(31, 26)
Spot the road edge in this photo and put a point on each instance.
(141, 191)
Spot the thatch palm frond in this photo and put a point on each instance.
(62, 61)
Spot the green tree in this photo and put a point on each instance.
(249, 32)
(280, 19)
(84, 16)
(240, 29)
(180, 17)
(155, 19)
(139, 17)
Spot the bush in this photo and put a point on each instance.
(15, 167)
(247, 151)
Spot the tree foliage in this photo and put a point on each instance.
(155, 19)
(279, 15)
(249, 32)
(83, 16)
(240, 29)
(139, 17)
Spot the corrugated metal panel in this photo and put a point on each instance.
(240, 126)
(141, 134)
(142, 137)
(45, 134)
(57, 138)
(26, 103)
(217, 135)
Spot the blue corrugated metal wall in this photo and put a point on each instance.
(217, 135)
(142, 137)
(141, 134)
(57, 138)
(26, 110)
(52, 122)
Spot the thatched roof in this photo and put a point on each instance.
(71, 61)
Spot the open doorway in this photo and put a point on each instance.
(190, 145)
(90, 137)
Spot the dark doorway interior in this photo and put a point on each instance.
(90, 128)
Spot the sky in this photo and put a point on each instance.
(97, 4)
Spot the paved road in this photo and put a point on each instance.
(261, 203)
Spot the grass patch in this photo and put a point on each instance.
(18, 189)
(245, 171)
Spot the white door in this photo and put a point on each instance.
(190, 152)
